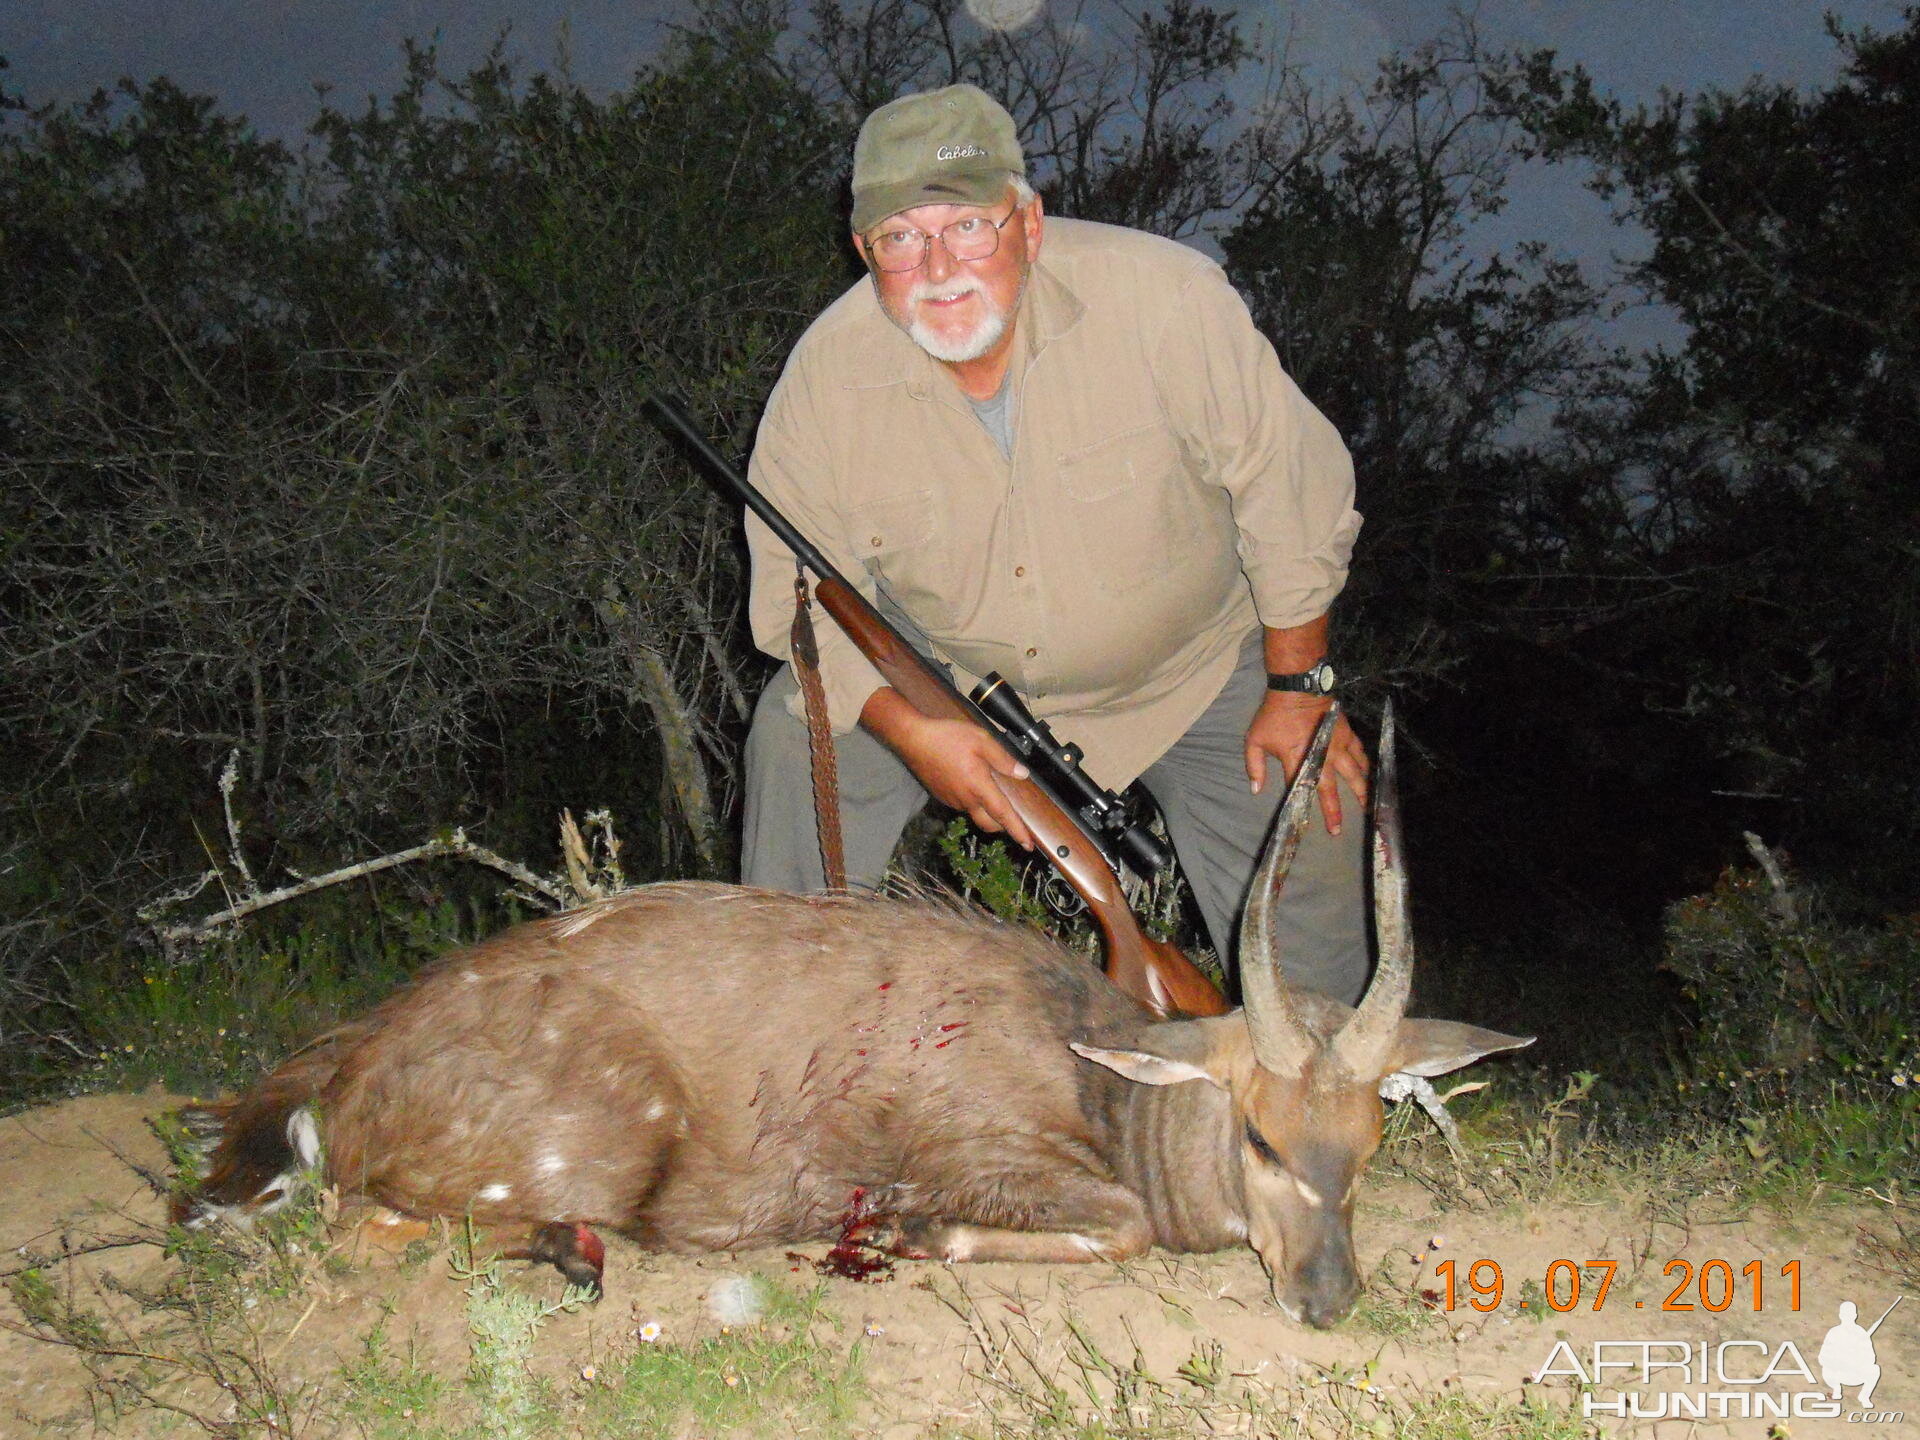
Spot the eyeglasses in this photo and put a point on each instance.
(904, 248)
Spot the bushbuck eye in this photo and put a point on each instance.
(1260, 1146)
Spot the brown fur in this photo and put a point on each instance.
(706, 1067)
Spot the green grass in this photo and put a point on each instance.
(389, 1396)
(780, 1376)
(203, 1348)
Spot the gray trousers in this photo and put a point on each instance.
(1217, 826)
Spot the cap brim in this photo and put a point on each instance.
(978, 187)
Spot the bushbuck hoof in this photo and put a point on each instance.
(572, 1248)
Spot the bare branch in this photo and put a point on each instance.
(455, 845)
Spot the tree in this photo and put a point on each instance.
(338, 461)
(1433, 359)
(1131, 125)
(1778, 442)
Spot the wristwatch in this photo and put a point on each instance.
(1315, 681)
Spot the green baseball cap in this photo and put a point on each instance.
(944, 147)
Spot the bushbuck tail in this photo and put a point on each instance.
(704, 1067)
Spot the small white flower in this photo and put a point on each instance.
(874, 1332)
(649, 1332)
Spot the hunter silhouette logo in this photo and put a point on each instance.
(1846, 1355)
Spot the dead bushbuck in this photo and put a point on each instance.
(704, 1067)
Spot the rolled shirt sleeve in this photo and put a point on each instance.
(1264, 443)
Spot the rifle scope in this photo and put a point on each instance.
(1103, 812)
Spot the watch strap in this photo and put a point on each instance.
(1317, 680)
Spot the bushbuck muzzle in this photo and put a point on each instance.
(707, 1067)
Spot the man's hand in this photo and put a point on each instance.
(1283, 728)
(957, 762)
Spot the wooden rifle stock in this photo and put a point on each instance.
(1155, 973)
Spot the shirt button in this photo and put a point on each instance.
(1019, 570)
(875, 542)
(1031, 652)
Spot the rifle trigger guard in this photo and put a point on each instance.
(1059, 896)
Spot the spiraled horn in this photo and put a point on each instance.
(1280, 1043)
(1364, 1044)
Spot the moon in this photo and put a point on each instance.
(1004, 14)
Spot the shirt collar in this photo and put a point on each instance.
(1048, 310)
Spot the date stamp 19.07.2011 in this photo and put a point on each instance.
(1712, 1285)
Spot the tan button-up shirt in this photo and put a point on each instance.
(1170, 490)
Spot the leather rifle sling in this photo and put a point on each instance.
(826, 770)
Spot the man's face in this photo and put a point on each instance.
(958, 310)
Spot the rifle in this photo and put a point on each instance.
(1152, 971)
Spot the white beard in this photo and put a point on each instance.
(974, 343)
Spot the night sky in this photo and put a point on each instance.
(263, 59)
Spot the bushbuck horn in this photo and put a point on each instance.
(1280, 1043)
(1363, 1043)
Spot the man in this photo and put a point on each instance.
(1062, 452)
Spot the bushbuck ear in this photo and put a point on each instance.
(1434, 1047)
(1170, 1053)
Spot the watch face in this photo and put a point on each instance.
(1322, 675)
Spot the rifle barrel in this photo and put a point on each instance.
(802, 548)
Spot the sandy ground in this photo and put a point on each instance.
(74, 1201)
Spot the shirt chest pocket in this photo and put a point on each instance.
(1147, 456)
(1130, 507)
(895, 537)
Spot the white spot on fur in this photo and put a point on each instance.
(495, 1192)
(303, 1133)
(550, 1164)
(1237, 1226)
(656, 1109)
(550, 1034)
(1307, 1192)
(472, 977)
(204, 1214)
(275, 1194)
